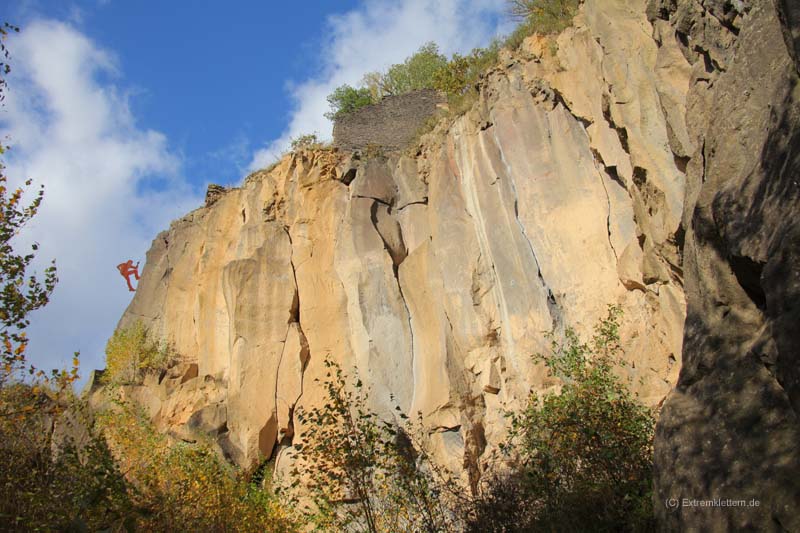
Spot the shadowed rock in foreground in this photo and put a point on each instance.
(730, 430)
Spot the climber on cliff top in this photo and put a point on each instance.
(126, 269)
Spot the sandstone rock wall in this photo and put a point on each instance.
(653, 141)
(389, 125)
(435, 277)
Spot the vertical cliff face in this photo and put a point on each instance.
(435, 275)
(652, 141)
(730, 429)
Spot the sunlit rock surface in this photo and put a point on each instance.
(434, 274)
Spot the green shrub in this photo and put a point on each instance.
(182, 486)
(416, 72)
(540, 16)
(585, 454)
(130, 352)
(515, 38)
(55, 477)
(427, 68)
(346, 99)
(458, 78)
(459, 74)
(308, 140)
(374, 478)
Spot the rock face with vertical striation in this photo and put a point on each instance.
(647, 142)
(435, 276)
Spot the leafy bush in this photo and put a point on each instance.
(416, 72)
(427, 68)
(373, 478)
(346, 99)
(585, 454)
(515, 38)
(63, 473)
(130, 352)
(458, 74)
(51, 480)
(308, 140)
(540, 16)
(185, 487)
(458, 77)
(20, 293)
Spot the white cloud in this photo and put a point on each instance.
(374, 36)
(109, 185)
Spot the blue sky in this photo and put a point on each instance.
(212, 77)
(126, 110)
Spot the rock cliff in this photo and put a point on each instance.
(730, 429)
(436, 274)
(647, 140)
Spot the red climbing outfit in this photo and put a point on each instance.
(126, 269)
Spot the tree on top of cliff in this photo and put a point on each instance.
(346, 99)
(427, 68)
(415, 73)
(544, 16)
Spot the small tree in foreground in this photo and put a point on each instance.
(54, 475)
(48, 482)
(21, 292)
(363, 473)
(585, 454)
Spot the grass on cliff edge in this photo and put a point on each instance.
(545, 17)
